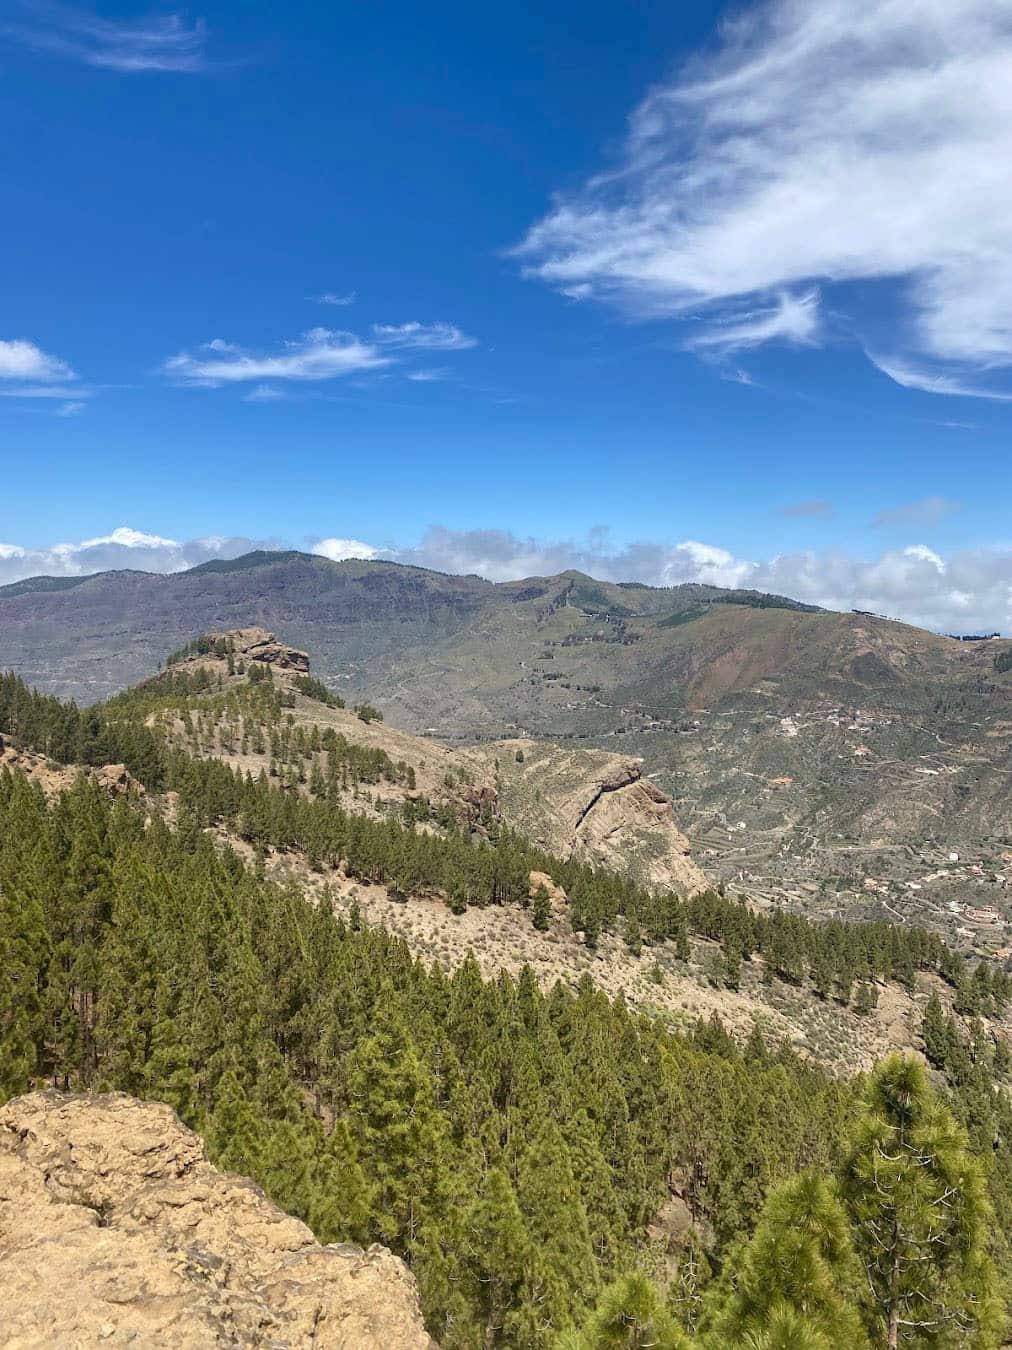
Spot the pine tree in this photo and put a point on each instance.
(935, 1032)
(801, 1261)
(24, 957)
(168, 1073)
(629, 1316)
(732, 963)
(692, 1277)
(341, 1196)
(541, 910)
(495, 1257)
(561, 1277)
(784, 1329)
(867, 998)
(400, 1135)
(920, 1215)
(285, 1168)
(235, 1135)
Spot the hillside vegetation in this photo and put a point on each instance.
(834, 761)
(548, 1162)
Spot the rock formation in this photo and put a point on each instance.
(595, 806)
(115, 1229)
(55, 778)
(256, 644)
(253, 644)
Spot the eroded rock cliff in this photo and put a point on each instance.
(595, 806)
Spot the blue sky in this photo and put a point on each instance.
(464, 287)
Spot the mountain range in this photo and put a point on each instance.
(837, 761)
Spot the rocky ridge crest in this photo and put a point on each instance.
(593, 805)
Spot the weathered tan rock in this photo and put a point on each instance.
(115, 1229)
(541, 881)
(55, 778)
(117, 780)
(257, 644)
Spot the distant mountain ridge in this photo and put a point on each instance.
(835, 759)
(59, 642)
(268, 557)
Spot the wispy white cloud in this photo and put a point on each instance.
(442, 337)
(789, 318)
(23, 360)
(430, 376)
(736, 375)
(124, 547)
(27, 372)
(333, 298)
(339, 549)
(319, 354)
(937, 381)
(124, 536)
(46, 391)
(925, 511)
(821, 143)
(160, 42)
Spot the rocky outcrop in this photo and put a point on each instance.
(53, 778)
(117, 780)
(257, 644)
(115, 1229)
(597, 807)
(541, 881)
(588, 804)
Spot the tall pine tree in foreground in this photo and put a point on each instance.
(920, 1216)
(629, 1316)
(798, 1272)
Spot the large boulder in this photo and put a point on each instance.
(115, 1229)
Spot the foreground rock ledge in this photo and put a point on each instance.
(116, 1230)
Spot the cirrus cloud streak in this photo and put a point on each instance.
(821, 144)
(161, 42)
(319, 354)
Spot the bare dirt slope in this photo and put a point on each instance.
(115, 1229)
(655, 982)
